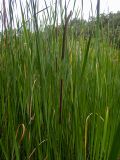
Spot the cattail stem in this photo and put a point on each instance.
(61, 96)
(62, 58)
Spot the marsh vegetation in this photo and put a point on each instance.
(59, 88)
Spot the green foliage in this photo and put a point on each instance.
(31, 71)
(109, 26)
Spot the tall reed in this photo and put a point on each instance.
(51, 107)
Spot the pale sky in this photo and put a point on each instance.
(106, 6)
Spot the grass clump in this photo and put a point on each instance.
(59, 94)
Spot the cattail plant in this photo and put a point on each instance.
(59, 88)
